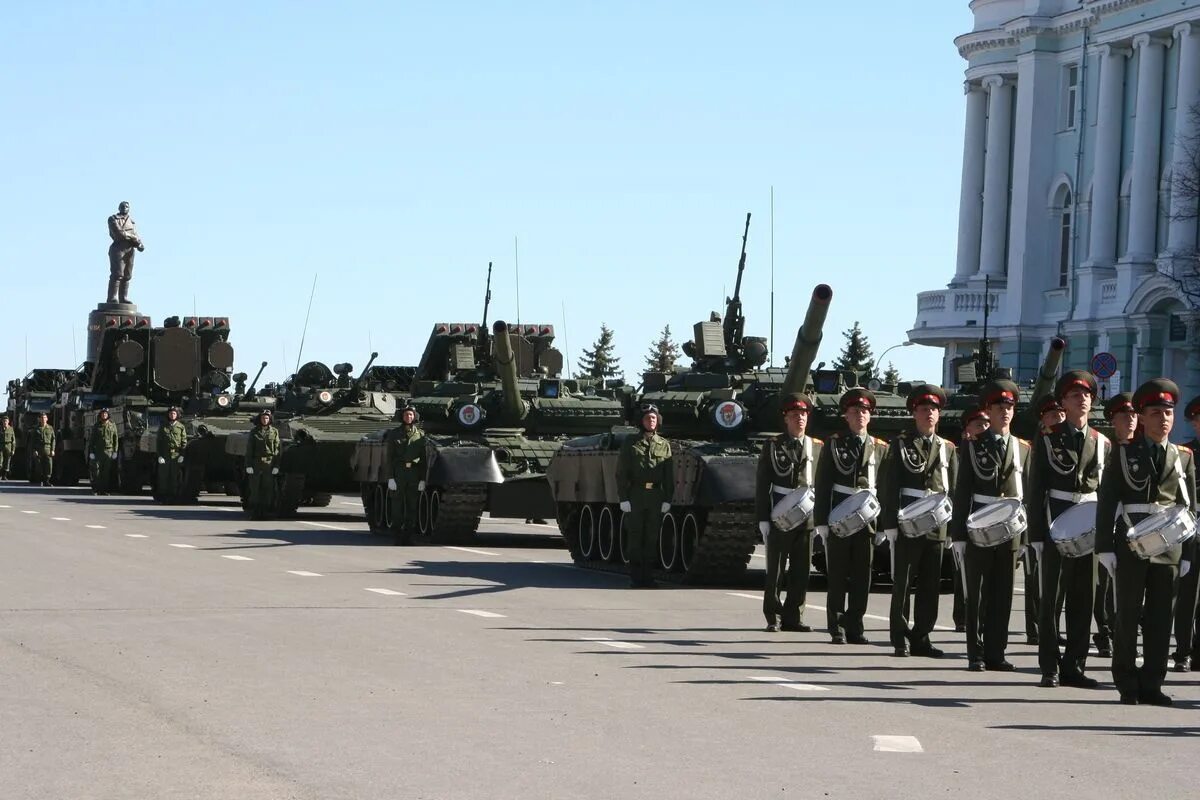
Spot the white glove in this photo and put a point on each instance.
(960, 550)
(162, 460)
(1184, 568)
(391, 484)
(822, 532)
(249, 470)
(1037, 550)
(763, 529)
(948, 543)
(91, 456)
(1109, 562)
(179, 460)
(891, 534)
(420, 486)
(113, 456)
(665, 508)
(880, 538)
(274, 470)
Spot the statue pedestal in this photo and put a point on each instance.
(111, 315)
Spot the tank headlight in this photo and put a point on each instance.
(223, 401)
(325, 396)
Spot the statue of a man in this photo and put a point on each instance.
(125, 242)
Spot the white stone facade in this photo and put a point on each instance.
(1073, 112)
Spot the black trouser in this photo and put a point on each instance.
(1187, 629)
(1104, 610)
(959, 611)
(1033, 595)
(989, 588)
(1075, 580)
(789, 561)
(848, 566)
(917, 567)
(1145, 593)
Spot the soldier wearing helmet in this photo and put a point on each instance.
(41, 443)
(172, 439)
(262, 467)
(645, 487)
(406, 456)
(102, 452)
(8, 446)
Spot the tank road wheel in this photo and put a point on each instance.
(689, 540)
(435, 505)
(587, 533)
(376, 510)
(606, 535)
(623, 540)
(423, 514)
(668, 543)
(387, 509)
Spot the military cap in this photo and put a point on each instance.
(926, 394)
(797, 401)
(1122, 401)
(1048, 402)
(1000, 390)
(1073, 378)
(649, 408)
(106, 411)
(972, 415)
(864, 398)
(175, 409)
(1192, 408)
(266, 412)
(1156, 392)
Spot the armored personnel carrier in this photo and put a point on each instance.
(28, 398)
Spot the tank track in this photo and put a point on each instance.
(460, 511)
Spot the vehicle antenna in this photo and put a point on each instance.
(771, 341)
(566, 342)
(304, 333)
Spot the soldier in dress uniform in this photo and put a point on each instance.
(919, 463)
(975, 423)
(172, 439)
(1065, 470)
(1119, 412)
(102, 452)
(645, 487)
(1145, 476)
(1187, 629)
(8, 446)
(788, 461)
(407, 458)
(992, 468)
(41, 451)
(1050, 414)
(849, 462)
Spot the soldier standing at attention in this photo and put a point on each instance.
(172, 439)
(1187, 632)
(125, 242)
(262, 465)
(645, 488)
(975, 423)
(849, 463)
(8, 446)
(1065, 470)
(102, 452)
(788, 461)
(919, 463)
(991, 469)
(1145, 476)
(407, 459)
(1050, 414)
(41, 451)
(1118, 410)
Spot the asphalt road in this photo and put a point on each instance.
(154, 652)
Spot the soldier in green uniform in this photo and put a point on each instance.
(645, 487)
(102, 452)
(992, 468)
(919, 463)
(406, 455)
(1187, 624)
(1119, 412)
(171, 441)
(1145, 476)
(788, 461)
(8, 446)
(1065, 470)
(262, 465)
(41, 451)
(849, 463)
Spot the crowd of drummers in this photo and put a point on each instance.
(1104, 528)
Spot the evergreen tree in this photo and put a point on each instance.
(856, 355)
(891, 376)
(600, 362)
(664, 352)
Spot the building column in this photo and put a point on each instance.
(970, 202)
(1147, 151)
(994, 233)
(1106, 180)
(1181, 233)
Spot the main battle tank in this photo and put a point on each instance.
(494, 410)
(28, 398)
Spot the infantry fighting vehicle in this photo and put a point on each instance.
(28, 398)
(494, 409)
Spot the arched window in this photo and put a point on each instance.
(1065, 239)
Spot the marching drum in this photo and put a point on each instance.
(794, 508)
(1161, 531)
(997, 523)
(923, 517)
(854, 513)
(1074, 531)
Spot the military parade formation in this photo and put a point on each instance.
(682, 477)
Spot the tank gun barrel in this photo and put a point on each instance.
(735, 323)
(257, 375)
(1048, 374)
(506, 365)
(808, 340)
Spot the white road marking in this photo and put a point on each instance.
(23, 511)
(745, 595)
(389, 592)
(897, 744)
(484, 614)
(137, 536)
(238, 558)
(323, 525)
(539, 562)
(471, 550)
(95, 527)
(5, 506)
(822, 608)
(604, 640)
(184, 546)
(784, 682)
(305, 574)
(61, 519)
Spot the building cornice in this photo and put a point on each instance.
(1012, 32)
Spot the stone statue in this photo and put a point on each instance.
(125, 241)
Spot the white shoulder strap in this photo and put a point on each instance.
(808, 459)
(1179, 471)
(1014, 447)
(944, 466)
(871, 470)
(1101, 455)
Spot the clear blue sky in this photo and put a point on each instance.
(394, 148)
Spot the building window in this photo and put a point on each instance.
(1070, 96)
(1064, 241)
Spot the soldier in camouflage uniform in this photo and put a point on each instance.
(172, 439)
(262, 465)
(406, 455)
(102, 450)
(41, 451)
(645, 487)
(8, 446)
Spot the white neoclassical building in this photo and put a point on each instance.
(1074, 110)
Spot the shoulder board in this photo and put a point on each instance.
(879, 441)
(1185, 448)
(1022, 441)
(950, 444)
(835, 435)
(816, 440)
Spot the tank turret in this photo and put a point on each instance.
(808, 340)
